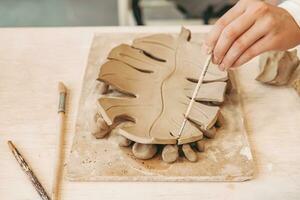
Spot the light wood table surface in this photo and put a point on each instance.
(33, 60)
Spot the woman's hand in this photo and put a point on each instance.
(250, 28)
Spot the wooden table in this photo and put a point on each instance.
(33, 60)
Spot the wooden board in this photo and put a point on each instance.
(227, 157)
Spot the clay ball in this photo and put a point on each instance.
(200, 145)
(144, 151)
(123, 141)
(210, 133)
(170, 153)
(101, 129)
(189, 153)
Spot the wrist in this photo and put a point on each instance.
(293, 9)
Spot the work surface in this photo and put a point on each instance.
(32, 61)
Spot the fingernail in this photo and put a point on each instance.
(217, 60)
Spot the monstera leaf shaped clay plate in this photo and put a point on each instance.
(134, 97)
(159, 73)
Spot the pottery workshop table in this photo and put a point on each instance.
(33, 60)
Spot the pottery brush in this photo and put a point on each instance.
(60, 140)
(25, 167)
(199, 83)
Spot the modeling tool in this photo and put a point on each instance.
(200, 81)
(59, 151)
(25, 167)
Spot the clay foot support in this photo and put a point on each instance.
(100, 129)
(170, 153)
(210, 133)
(189, 153)
(144, 151)
(123, 141)
(220, 121)
(200, 145)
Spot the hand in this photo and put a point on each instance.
(250, 28)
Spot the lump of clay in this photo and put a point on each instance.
(276, 67)
(189, 153)
(296, 85)
(200, 145)
(100, 129)
(210, 133)
(123, 141)
(170, 153)
(220, 122)
(144, 151)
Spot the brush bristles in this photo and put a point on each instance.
(61, 87)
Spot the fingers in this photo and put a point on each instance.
(241, 44)
(261, 46)
(229, 34)
(214, 34)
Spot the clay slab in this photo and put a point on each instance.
(227, 157)
(162, 86)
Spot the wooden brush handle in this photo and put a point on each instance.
(60, 141)
(25, 167)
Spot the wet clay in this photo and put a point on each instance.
(100, 129)
(123, 141)
(170, 153)
(210, 133)
(148, 86)
(144, 151)
(296, 85)
(200, 145)
(189, 153)
(157, 75)
(277, 67)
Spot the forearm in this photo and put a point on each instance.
(293, 7)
